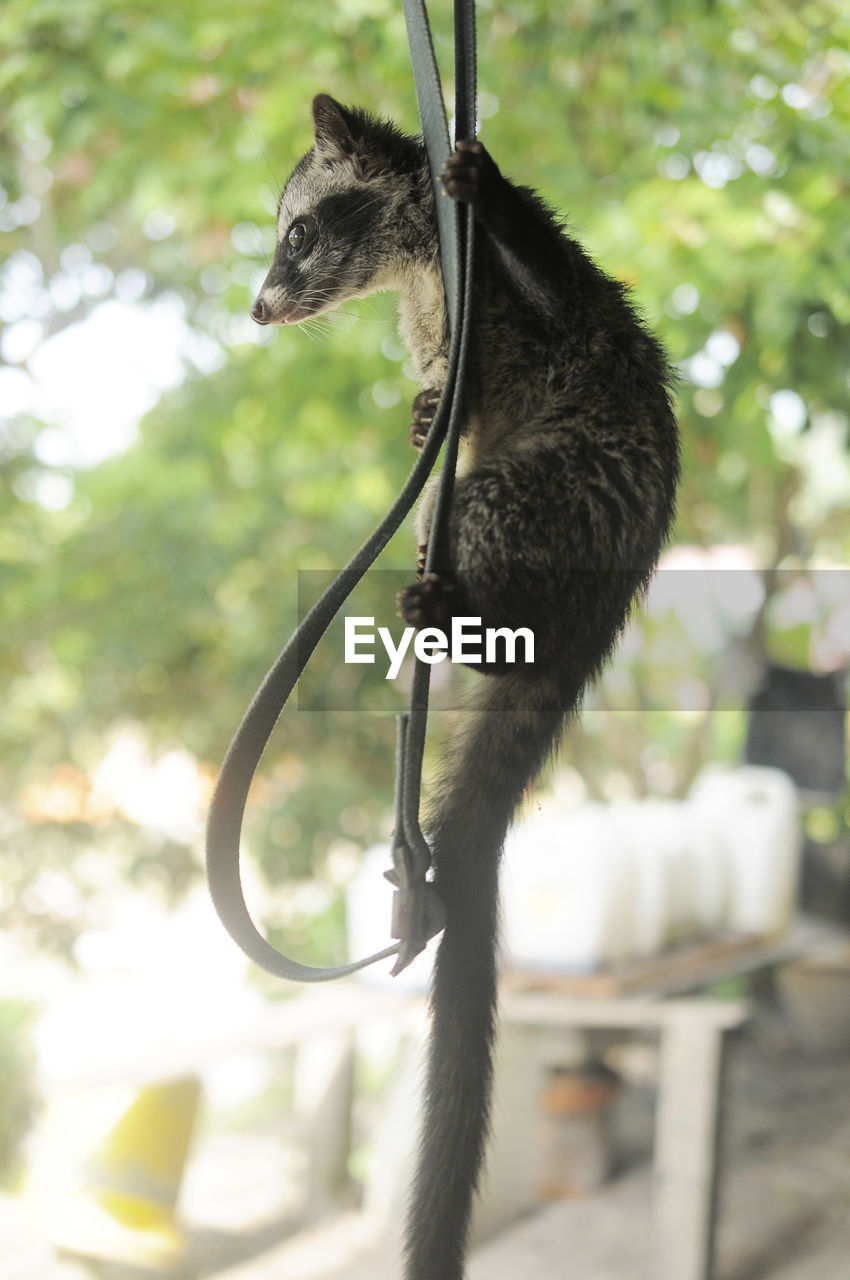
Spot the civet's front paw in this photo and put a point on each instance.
(468, 171)
(424, 411)
(427, 603)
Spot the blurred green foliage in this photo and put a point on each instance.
(17, 1094)
(698, 149)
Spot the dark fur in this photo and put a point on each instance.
(565, 500)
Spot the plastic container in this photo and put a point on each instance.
(815, 993)
(696, 866)
(652, 905)
(568, 887)
(754, 816)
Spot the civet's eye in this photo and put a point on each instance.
(295, 237)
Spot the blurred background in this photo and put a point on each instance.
(169, 469)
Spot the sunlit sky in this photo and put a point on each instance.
(93, 379)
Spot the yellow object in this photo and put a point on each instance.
(116, 1199)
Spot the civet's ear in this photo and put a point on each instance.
(347, 137)
(333, 126)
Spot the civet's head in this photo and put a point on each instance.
(346, 216)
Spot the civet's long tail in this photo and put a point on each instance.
(504, 743)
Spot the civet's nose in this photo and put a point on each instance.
(259, 312)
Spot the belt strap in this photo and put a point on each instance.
(227, 808)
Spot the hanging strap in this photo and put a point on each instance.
(416, 913)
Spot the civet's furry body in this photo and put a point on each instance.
(565, 500)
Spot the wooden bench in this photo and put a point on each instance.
(692, 1029)
(692, 1036)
